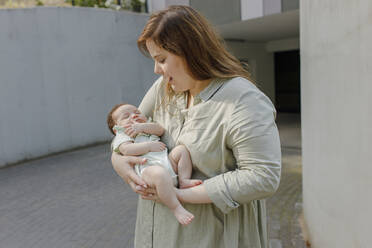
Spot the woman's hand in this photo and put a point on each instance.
(150, 194)
(123, 165)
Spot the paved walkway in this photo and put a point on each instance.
(285, 207)
(75, 200)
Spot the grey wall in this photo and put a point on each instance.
(288, 5)
(62, 69)
(218, 11)
(261, 61)
(336, 88)
(155, 5)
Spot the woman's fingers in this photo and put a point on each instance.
(123, 165)
(150, 191)
(150, 197)
(133, 177)
(133, 186)
(136, 160)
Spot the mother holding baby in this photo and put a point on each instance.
(205, 101)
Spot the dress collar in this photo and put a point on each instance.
(210, 90)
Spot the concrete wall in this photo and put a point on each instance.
(223, 12)
(288, 5)
(62, 69)
(155, 5)
(261, 61)
(336, 86)
(218, 11)
(283, 45)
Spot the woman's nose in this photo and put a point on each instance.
(157, 69)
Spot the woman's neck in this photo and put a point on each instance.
(199, 86)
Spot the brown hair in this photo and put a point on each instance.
(184, 32)
(110, 121)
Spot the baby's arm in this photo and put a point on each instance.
(149, 128)
(136, 149)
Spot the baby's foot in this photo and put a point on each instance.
(188, 183)
(183, 216)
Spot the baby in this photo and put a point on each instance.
(135, 135)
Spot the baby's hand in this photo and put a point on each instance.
(133, 129)
(156, 146)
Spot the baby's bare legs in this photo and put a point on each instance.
(182, 165)
(158, 177)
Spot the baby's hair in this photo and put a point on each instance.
(110, 121)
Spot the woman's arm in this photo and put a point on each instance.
(147, 105)
(254, 140)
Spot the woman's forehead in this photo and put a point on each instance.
(154, 49)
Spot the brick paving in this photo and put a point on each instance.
(75, 200)
(68, 200)
(285, 206)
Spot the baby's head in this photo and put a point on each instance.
(122, 114)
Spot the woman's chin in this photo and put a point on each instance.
(175, 89)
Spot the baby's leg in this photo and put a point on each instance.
(182, 165)
(158, 177)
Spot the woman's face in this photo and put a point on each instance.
(171, 67)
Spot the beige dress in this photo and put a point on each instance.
(234, 145)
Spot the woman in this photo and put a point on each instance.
(205, 101)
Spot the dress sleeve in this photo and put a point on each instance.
(254, 140)
(147, 105)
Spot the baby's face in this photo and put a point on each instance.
(128, 114)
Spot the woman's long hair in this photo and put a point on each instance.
(184, 32)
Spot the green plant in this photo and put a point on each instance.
(136, 5)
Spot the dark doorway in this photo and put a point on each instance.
(287, 81)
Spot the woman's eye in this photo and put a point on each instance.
(162, 61)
